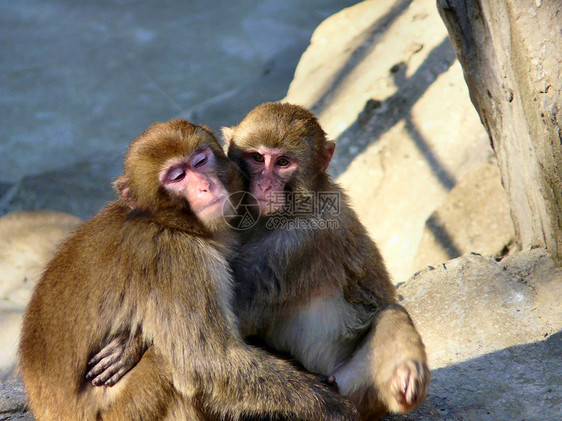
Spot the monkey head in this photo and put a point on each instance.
(279, 148)
(177, 170)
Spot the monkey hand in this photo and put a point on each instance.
(114, 360)
(409, 384)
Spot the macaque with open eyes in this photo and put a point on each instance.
(319, 289)
(152, 268)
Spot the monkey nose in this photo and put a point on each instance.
(264, 187)
(205, 186)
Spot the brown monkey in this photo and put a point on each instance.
(316, 288)
(309, 279)
(153, 267)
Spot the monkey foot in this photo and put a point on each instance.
(409, 385)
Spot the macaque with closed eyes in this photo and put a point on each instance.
(153, 268)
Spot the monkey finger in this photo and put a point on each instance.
(116, 377)
(98, 377)
(410, 384)
(113, 347)
(107, 377)
(97, 358)
(98, 381)
(418, 384)
(104, 369)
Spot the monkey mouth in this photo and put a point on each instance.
(211, 209)
(268, 206)
(221, 198)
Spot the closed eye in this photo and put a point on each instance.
(200, 162)
(176, 174)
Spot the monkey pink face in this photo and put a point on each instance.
(270, 170)
(195, 179)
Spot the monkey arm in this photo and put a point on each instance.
(195, 329)
(270, 385)
(108, 366)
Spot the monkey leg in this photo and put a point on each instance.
(388, 372)
(147, 393)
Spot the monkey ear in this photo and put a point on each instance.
(327, 153)
(227, 135)
(121, 185)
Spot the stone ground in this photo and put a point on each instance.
(493, 336)
(383, 80)
(81, 80)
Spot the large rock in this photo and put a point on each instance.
(517, 383)
(383, 80)
(493, 337)
(511, 53)
(27, 242)
(473, 218)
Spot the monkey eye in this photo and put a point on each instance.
(177, 174)
(200, 161)
(283, 162)
(258, 157)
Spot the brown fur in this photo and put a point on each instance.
(147, 266)
(317, 292)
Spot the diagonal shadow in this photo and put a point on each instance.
(361, 51)
(443, 236)
(521, 382)
(384, 115)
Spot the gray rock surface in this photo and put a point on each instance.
(81, 80)
(12, 401)
(27, 241)
(517, 383)
(493, 336)
(80, 189)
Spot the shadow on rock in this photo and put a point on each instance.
(517, 383)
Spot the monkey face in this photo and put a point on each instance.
(270, 170)
(178, 172)
(195, 179)
(282, 149)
